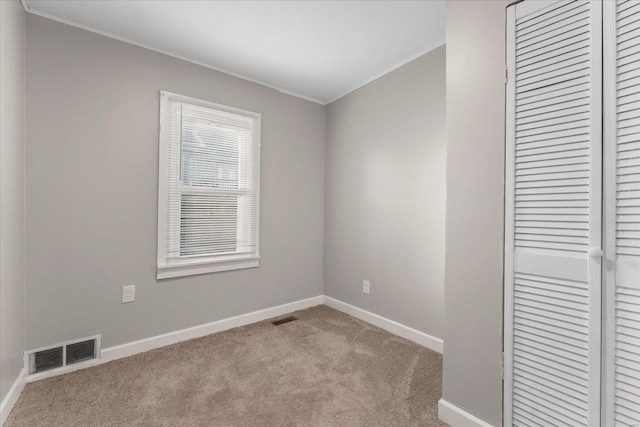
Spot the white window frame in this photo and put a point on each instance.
(187, 266)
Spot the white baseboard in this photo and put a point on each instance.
(426, 340)
(12, 396)
(456, 417)
(158, 341)
(135, 347)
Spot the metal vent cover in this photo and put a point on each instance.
(45, 360)
(63, 354)
(284, 320)
(80, 351)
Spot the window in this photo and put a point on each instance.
(208, 199)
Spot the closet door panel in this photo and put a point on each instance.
(622, 215)
(553, 220)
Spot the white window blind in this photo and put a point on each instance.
(209, 187)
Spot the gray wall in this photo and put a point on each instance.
(92, 178)
(475, 191)
(12, 68)
(385, 195)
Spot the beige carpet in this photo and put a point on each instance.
(324, 369)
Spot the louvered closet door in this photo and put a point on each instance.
(553, 214)
(622, 214)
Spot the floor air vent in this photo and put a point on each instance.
(81, 351)
(44, 360)
(285, 320)
(65, 354)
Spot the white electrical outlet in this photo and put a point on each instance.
(366, 287)
(128, 293)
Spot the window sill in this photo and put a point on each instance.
(191, 269)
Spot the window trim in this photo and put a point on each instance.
(188, 267)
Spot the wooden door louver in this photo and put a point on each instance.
(622, 217)
(553, 214)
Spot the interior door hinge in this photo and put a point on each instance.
(506, 74)
(502, 366)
